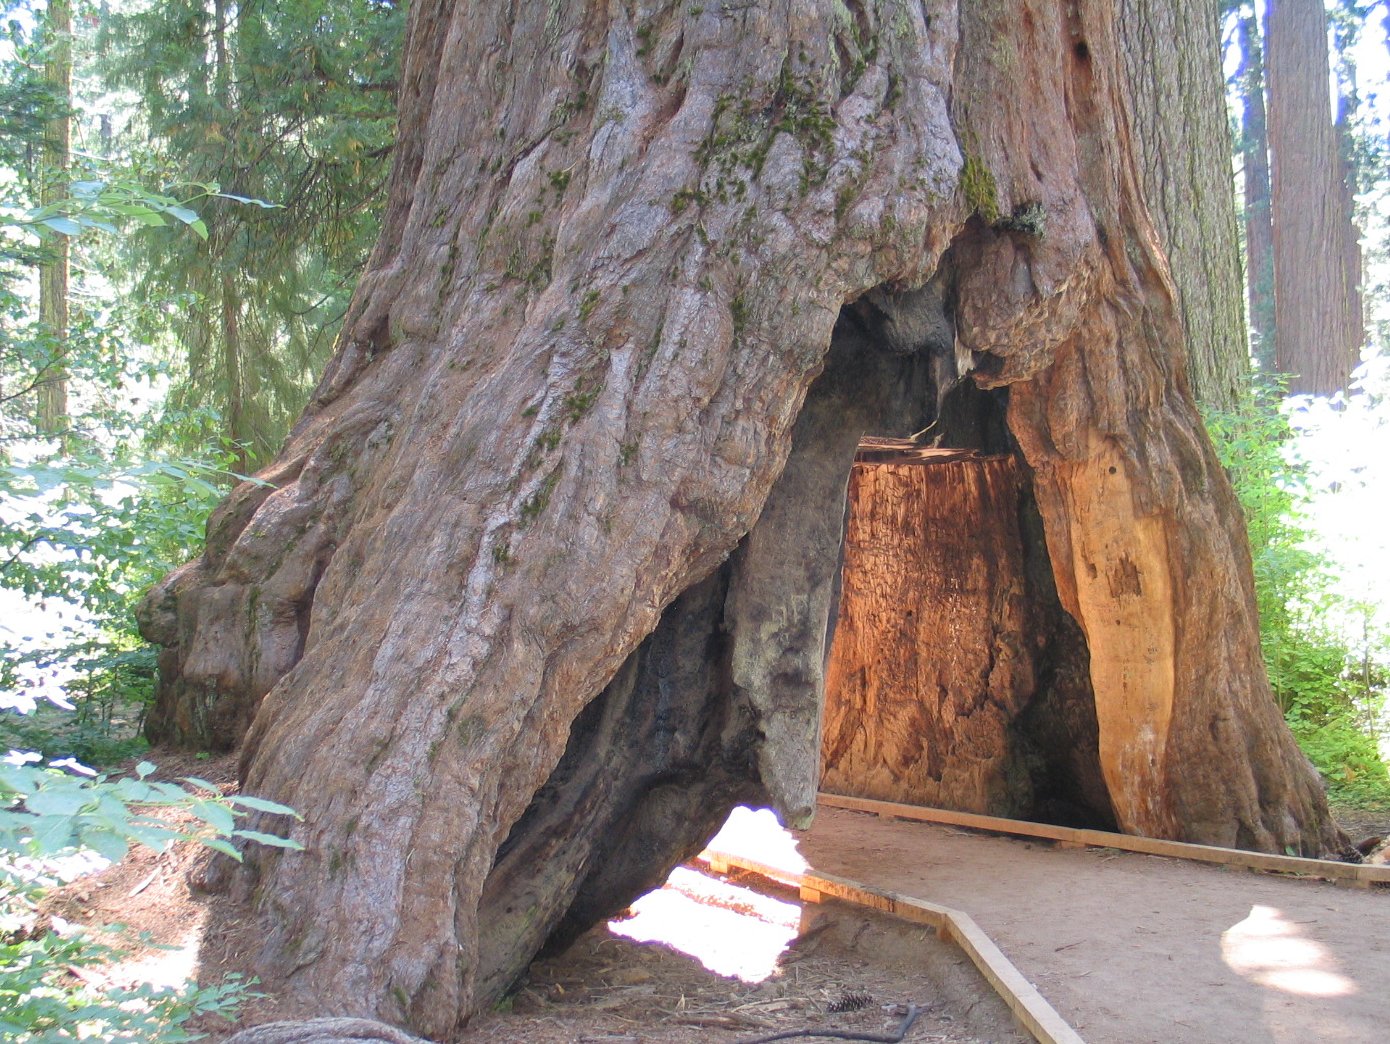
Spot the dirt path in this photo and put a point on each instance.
(611, 990)
(1132, 949)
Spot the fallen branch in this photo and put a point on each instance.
(877, 1038)
(143, 884)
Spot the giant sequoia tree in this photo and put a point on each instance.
(541, 581)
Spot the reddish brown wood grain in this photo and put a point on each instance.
(934, 651)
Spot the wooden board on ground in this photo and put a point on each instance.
(1326, 869)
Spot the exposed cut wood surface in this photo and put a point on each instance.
(936, 640)
(877, 450)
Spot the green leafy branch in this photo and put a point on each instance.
(102, 205)
(1328, 692)
(46, 813)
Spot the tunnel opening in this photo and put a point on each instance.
(775, 676)
(953, 676)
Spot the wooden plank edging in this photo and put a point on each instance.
(1028, 1005)
(1328, 869)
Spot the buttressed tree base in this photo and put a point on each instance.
(541, 582)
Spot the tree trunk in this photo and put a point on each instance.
(1349, 183)
(228, 341)
(1318, 329)
(234, 423)
(542, 580)
(1172, 55)
(53, 271)
(1259, 227)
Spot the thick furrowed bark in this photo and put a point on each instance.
(1171, 50)
(565, 392)
(690, 725)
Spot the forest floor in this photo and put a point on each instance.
(1128, 948)
(1361, 822)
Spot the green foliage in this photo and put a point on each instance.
(1343, 747)
(196, 320)
(88, 521)
(38, 1002)
(86, 525)
(1251, 441)
(1329, 691)
(93, 532)
(96, 204)
(292, 103)
(114, 525)
(46, 814)
(27, 103)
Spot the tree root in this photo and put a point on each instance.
(877, 1038)
(325, 1031)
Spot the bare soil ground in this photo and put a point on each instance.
(1132, 949)
(1363, 825)
(1128, 948)
(607, 988)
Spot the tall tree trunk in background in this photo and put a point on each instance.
(1350, 184)
(541, 582)
(221, 58)
(234, 423)
(1259, 227)
(1318, 328)
(1172, 55)
(53, 271)
(229, 299)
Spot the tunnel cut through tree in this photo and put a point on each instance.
(541, 581)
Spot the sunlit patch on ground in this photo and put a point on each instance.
(167, 967)
(755, 834)
(1270, 950)
(731, 930)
